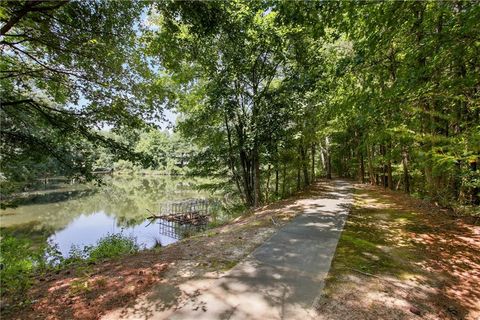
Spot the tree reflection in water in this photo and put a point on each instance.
(121, 204)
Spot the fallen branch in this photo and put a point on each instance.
(193, 218)
(273, 220)
(366, 273)
(392, 282)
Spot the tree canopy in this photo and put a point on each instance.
(273, 93)
(67, 69)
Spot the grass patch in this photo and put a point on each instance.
(79, 286)
(374, 239)
(111, 246)
(221, 265)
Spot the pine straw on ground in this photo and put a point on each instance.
(403, 258)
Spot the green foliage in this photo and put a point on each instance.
(20, 262)
(241, 92)
(67, 69)
(111, 246)
(169, 153)
(123, 165)
(404, 100)
(271, 93)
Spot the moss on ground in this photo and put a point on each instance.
(220, 265)
(374, 239)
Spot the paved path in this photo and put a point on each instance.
(281, 278)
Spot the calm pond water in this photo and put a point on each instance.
(80, 214)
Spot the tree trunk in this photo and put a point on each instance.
(322, 158)
(406, 175)
(304, 161)
(247, 181)
(389, 168)
(276, 180)
(362, 168)
(328, 158)
(359, 156)
(298, 179)
(329, 167)
(313, 161)
(371, 171)
(267, 188)
(389, 175)
(256, 179)
(384, 167)
(235, 174)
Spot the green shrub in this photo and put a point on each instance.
(123, 165)
(76, 255)
(113, 245)
(18, 262)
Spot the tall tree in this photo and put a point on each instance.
(234, 67)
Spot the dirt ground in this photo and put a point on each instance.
(90, 292)
(402, 258)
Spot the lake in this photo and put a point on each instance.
(79, 215)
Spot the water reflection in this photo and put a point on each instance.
(121, 205)
(88, 229)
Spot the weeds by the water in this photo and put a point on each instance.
(20, 262)
(113, 245)
(158, 243)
